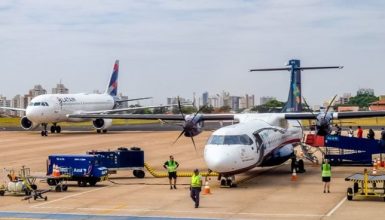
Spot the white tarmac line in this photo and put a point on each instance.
(290, 215)
(67, 197)
(336, 207)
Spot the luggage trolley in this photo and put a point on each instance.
(366, 186)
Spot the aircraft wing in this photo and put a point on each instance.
(336, 115)
(14, 109)
(174, 117)
(363, 114)
(129, 100)
(122, 109)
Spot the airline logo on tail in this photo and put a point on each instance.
(112, 88)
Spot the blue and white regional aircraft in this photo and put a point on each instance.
(54, 108)
(259, 139)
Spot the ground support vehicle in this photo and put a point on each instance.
(20, 184)
(366, 186)
(122, 159)
(85, 169)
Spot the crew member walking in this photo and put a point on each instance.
(171, 166)
(196, 187)
(326, 175)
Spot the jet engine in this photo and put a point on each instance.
(102, 124)
(26, 124)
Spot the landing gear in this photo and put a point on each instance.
(298, 165)
(55, 128)
(100, 131)
(228, 182)
(44, 132)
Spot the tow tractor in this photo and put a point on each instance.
(365, 186)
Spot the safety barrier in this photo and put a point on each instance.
(160, 174)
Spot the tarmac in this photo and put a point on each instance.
(262, 193)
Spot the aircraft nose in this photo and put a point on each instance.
(33, 114)
(219, 159)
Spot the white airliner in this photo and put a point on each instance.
(259, 139)
(53, 108)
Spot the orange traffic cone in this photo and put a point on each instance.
(55, 171)
(206, 190)
(294, 175)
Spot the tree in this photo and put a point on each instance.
(270, 106)
(224, 109)
(207, 109)
(160, 110)
(185, 110)
(363, 100)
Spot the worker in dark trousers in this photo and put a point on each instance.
(171, 166)
(371, 134)
(196, 187)
(326, 175)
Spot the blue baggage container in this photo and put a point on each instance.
(83, 168)
(122, 159)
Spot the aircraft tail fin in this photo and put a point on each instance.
(294, 100)
(112, 87)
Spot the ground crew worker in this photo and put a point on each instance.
(350, 132)
(371, 134)
(359, 132)
(326, 175)
(196, 187)
(171, 166)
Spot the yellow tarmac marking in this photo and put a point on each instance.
(336, 207)
(70, 196)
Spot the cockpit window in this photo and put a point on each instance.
(38, 104)
(230, 140)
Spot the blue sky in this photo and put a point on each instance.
(170, 48)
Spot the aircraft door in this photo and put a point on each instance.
(260, 147)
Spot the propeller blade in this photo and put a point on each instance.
(304, 100)
(179, 136)
(199, 110)
(180, 108)
(195, 147)
(331, 103)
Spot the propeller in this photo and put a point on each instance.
(330, 104)
(322, 121)
(190, 128)
(311, 111)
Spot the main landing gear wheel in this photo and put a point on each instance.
(228, 182)
(55, 128)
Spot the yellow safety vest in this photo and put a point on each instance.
(326, 170)
(171, 166)
(196, 180)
